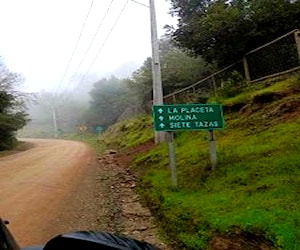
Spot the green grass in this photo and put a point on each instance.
(260, 89)
(255, 186)
(129, 133)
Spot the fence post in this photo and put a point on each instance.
(174, 98)
(213, 80)
(246, 69)
(297, 39)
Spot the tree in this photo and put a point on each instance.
(223, 31)
(12, 107)
(178, 71)
(140, 84)
(109, 99)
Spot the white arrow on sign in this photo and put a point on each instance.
(161, 118)
(162, 125)
(160, 110)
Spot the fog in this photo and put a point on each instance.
(63, 47)
(67, 110)
(38, 39)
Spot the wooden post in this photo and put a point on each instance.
(212, 150)
(213, 80)
(297, 39)
(172, 157)
(174, 98)
(246, 69)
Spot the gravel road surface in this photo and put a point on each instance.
(60, 186)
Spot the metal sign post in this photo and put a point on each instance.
(172, 157)
(212, 150)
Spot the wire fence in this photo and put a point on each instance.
(281, 56)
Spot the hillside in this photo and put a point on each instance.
(251, 200)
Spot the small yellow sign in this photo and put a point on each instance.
(82, 128)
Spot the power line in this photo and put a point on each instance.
(105, 41)
(95, 35)
(140, 3)
(75, 48)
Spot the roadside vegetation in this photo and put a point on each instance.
(13, 115)
(20, 146)
(251, 198)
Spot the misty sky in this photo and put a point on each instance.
(39, 36)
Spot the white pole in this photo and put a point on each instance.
(54, 122)
(156, 70)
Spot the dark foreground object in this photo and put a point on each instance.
(83, 240)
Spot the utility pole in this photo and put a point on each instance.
(156, 70)
(54, 122)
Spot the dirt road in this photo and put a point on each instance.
(61, 186)
(34, 184)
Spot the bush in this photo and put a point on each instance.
(233, 85)
(12, 114)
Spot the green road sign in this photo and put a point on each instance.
(188, 117)
(99, 129)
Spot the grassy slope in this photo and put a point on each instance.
(255, 187)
